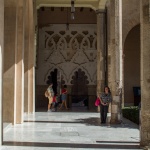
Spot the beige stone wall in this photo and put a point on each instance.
(131, 48)
(130, 15)
(131, 65)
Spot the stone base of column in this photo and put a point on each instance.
(145, 129)
(146, 148)
(115, 118)
(115, 111)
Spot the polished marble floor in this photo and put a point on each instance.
(70, 131)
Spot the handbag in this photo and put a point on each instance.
(97, 102)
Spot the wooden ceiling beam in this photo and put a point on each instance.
(62, 8)
(81, 9)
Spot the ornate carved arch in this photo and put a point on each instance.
(68, 51)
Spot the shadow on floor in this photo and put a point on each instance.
(88, 121)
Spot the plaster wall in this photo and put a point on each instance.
(131, 48)
(130, 15)
(131, 65)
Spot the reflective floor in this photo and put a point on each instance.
(70, 131)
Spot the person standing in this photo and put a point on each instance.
(105, 99)
(50, 96)
(64, 97)
(55, 102)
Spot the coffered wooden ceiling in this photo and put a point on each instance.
(94, 4)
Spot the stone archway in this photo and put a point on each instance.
(79, 91)
(132, 67)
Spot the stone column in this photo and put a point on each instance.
(1, 64)
(9, 60)
(145, 72)
(26, 48)
(31, 64)
(100, 53)
(100, 50)
(19, 62)
(29, 59)
(35, 27)
(115, 64)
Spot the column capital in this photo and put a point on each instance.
(100, 11)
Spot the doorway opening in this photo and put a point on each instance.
(79, 92)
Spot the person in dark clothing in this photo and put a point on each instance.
(105, 99)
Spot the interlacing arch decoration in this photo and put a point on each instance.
(70, 50)
(83, 70)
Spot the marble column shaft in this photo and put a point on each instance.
(10, 42)
(13, 62)
(145, 72)
(1, 64)
(26, 53)
(19, 83)
(29, 59)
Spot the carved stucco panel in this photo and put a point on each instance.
(56, 58)
(68, 51)
(79, 58)
(91, 71)
(67, 69)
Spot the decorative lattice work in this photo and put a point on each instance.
(68, 51)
